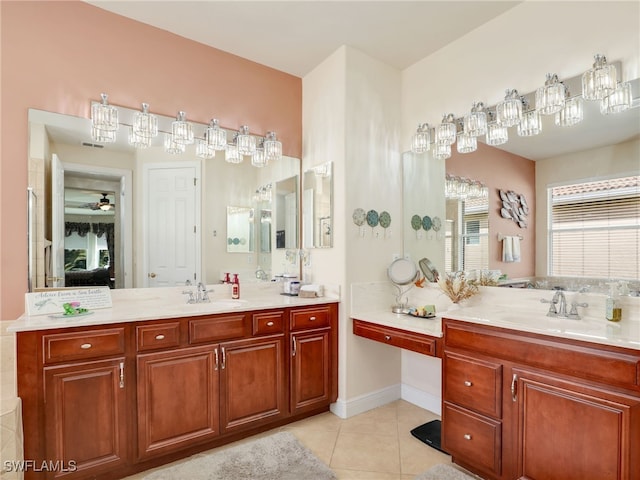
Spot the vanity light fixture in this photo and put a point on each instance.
(215, 136)
(550, 98)
(104, 116)
(466, 143)
(145, 124)
(442, 150)
(232, 155)
(272, 148)
(572, 113)
(617, 101)
(103, 136)
(259, 159)
(421, 140)
(171, 147)
(509, 111)
(600, 81)
(181, 130)
(138, 141)
(475, 122)
(203, 149)
(496, 134)
(246, 143)
(446, 130)
(530, 124)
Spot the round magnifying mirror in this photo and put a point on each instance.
(429, 270)
(402, 271)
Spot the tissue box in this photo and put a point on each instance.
(307, 294)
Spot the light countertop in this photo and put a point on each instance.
(130, 305)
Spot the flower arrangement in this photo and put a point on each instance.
(457, 287)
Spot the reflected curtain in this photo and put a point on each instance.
(100, 229)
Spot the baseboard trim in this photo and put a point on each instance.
(421, 398)
(368, 401)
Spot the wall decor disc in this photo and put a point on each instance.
(437, 223)
(427, 222)
(359, 217)
(372, 218)
(385, 219)
(416, 222)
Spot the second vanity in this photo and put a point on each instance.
(525, 396)
(154, 379)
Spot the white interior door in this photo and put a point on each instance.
(172, 209)
(56, 277)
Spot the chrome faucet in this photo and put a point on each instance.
(558, 306)
(201, 294)
(261, 274)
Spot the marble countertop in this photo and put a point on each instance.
(130, 305)
(515, 309)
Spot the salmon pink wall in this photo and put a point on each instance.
(58, 56)
(500, 170)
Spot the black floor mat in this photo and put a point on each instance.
(429, 433)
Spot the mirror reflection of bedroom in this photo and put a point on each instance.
(90, 211)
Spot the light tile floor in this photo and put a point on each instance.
(375, 445)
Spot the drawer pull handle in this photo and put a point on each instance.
(216, 356)
(269, 324)
(514, 388)
(121, 374)
(467, 436)
(467, 383)
(387, 338)
(312, 319)
(224, 359)
(86, 346)
(160, 337)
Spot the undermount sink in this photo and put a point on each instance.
(218, 304)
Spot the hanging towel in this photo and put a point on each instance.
(507, 248)
(516, 248)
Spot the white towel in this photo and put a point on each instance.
(507, 249)
(516, 248)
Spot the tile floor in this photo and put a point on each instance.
(375, 445)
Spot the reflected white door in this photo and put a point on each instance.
(56, 275)
(172, 225)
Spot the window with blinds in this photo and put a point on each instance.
(595, 229)
(467, 234)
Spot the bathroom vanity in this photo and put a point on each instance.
(526, 396)
(109, 397)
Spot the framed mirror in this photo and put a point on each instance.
(317, 211)
(131, 176)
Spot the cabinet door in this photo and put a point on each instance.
(85, 418)
(310, 370)
(252, 383)
(177, 399)
(570, 430)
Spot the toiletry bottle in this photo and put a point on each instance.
(227, 279)
(611, 303)
(235, 287)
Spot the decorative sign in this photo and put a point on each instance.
(52, 301)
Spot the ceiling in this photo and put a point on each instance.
(296, 36)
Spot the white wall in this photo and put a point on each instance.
(597, 164)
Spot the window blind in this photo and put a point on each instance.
(595, 229)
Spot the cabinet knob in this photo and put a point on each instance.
(467, 383)
(160, 337)
(86, 346)
(269, 324)
(467, 436)
(152, 275)
(387, 338)
(312, 319)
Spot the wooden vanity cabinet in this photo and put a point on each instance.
(107, 402)
(522, 406)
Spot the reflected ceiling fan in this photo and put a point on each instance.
(103, 204)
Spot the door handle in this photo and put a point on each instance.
(152, 275)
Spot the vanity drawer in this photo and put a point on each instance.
(475, 439)
(268, 323)
(219, 327)
(165, 335)
(60, 347)
(307, 318)
(398, 338)
(473, 383)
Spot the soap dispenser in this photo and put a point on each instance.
(612, 312)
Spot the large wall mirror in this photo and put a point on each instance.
(111, 214)
(600, 147)
(317, 201)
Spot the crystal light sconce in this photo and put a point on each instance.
(143, 128)
(599, 83)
